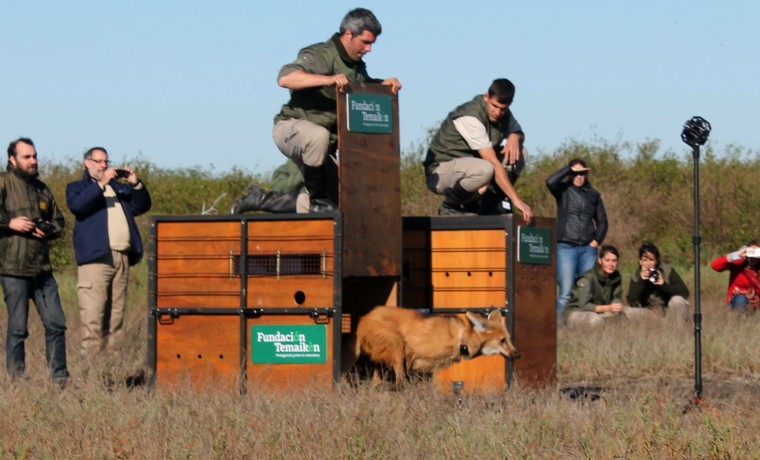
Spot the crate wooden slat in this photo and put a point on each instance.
(181, 358)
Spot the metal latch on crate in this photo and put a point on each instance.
(317, 315)
(166, 317)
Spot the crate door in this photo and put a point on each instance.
(468, 268)
(291, 263)
(198, 350)
(195, 264)
(289, 352)
(477, 375)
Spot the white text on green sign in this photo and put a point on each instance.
(534, 245)
(370, 113)
(289, 344)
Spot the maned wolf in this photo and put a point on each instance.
(406, 341)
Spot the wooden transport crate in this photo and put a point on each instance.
(274, 350)
(219, 284)
(455, 264)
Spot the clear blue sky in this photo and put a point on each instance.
(193, 83)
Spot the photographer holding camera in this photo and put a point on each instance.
(107, 242)
(743, 284)
(658, 285)
(29, 219)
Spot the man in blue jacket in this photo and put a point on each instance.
(106, 243)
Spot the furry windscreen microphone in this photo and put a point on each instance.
(696, 131)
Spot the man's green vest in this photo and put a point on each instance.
(318, 105)
(448, 143)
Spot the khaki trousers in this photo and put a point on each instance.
(102, 293)
(302, 141)
(594, 320)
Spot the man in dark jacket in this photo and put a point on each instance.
(106, 243)
(305, 130)
(29, 219)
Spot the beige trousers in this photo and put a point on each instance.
(307, 143)
(102, 293)
(302, 141)
(593, 320)
(677, 311)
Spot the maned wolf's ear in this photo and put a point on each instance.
(477, 321)
(495, 316)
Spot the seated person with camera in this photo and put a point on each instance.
(743, 284)
(658, 285)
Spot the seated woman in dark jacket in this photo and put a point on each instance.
(658, 285)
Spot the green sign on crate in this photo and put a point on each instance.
(370, 113)
(289, 344)
(534, 245)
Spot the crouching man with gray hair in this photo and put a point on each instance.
(306, 129)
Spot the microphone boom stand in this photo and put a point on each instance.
(697, 310)
(695, 133)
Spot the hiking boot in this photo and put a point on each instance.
(251, 201)
(322, 205)
(494, 204)
(457, 201)
(315, 181)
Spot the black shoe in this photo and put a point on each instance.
(318, 205)
(61, 379)
(494, 208)
(494, 203)
(251, 201)
(457, 201)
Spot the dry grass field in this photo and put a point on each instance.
(622, 392)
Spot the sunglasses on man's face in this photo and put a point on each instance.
(580, 173)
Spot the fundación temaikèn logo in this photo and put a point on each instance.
(289, 344)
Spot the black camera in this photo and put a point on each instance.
(654, 275)
(122, 173)
(46, 227)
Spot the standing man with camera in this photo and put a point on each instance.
(658, 285)
(306, 129)
(107, 242)
(29, 219)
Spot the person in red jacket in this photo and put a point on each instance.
(743, 281)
